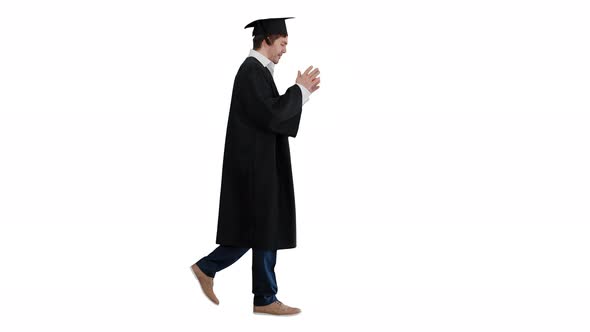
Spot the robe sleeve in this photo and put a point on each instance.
(280, 115)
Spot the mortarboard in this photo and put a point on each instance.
(269, 26)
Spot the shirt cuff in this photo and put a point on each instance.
(304, 94)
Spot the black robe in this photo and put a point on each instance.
(257, 203)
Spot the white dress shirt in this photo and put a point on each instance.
(271, 66)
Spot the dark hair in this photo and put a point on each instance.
(257, 41)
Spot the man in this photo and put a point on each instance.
(257, 202)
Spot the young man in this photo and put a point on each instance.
(257, 202)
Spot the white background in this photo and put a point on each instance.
(441, 170)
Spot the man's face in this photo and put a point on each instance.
(277, 49)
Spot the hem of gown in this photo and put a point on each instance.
(250, 245)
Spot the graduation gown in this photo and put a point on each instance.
(257, 201)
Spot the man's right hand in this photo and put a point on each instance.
(309, 79)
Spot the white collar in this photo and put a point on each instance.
(263, 60)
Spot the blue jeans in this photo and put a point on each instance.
(264, 281)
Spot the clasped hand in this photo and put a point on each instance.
(309, 79)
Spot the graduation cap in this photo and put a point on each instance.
(268, 26)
